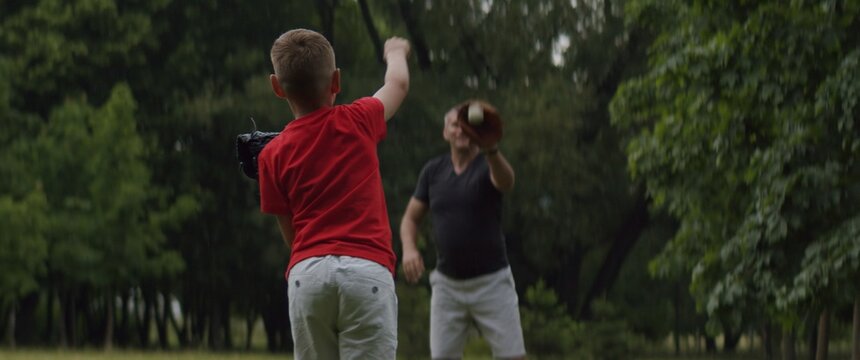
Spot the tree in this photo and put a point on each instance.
(23, 251)
(108, 221)
(739, 132)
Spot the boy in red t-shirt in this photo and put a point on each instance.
(321, 178)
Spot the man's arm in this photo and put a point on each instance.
(285, 222)
(413, 264)
(501, 172)
(396, 84)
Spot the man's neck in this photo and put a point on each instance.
(462, 157)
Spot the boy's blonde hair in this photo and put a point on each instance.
(304, 63)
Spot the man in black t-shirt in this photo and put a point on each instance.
(472, 282)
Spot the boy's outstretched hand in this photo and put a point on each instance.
(396, 84)
(396, 45)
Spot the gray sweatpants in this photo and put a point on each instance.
(487, 301)
(342, 307)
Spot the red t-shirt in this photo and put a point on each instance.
(323, 170)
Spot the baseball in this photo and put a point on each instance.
(476, 114)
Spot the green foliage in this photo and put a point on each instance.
(103, 231)
(413, 321)
(23, 247)
(56, 45)
(564, 172)
(610, 337)
(743, 130)
(547, 327)
(550, 332)
(830, 266)
(669, 306)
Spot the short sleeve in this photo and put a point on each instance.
(485, 177)
(273, 199)
(422, 190)
(369, 114)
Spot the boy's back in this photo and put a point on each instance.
(325, 164)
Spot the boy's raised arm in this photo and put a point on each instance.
(396, 84)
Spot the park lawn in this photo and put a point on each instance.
(51, 354)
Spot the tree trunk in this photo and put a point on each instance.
(788, 348)
(181, 331)
(49, 316)
(73, 320)
(710, 344)
(823, 335)
(145, 320)
(856, 341)
(566, 279)
(702, 339)
(270, 326)
(109, 319)
(286, 338)
(10, 327)
(26, 330)
(767, 341)
(198, 327)
(271, 333)
(371, 30)
(216, 333)
(625, 238)
(70, 319)
(676, 304)
(276, 318)
(477, 60)
(122, 335)
(751, 334)
(326, 13)
(250, 319)
(92, 308)
(812, 337)
(225, 323)
(61, 319)
(730, 343)
(162, 308)
(415, 34)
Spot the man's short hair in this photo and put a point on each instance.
(304, 63)
(451, 113)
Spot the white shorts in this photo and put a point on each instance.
(342, 307)
(487, 301)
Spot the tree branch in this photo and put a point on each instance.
(476, 58)
(326, 13)
(371, 30)
(625, 238)
(412, 26)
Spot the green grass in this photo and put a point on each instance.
(51, 354)
(6, 354)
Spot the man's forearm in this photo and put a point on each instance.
(408, 235)
(501, 171)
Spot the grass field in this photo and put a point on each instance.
(200, 355)
(131, 355)
(54, 354)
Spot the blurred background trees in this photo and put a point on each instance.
(125, 221)
(743, 129)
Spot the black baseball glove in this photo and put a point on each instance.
(248, 147)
